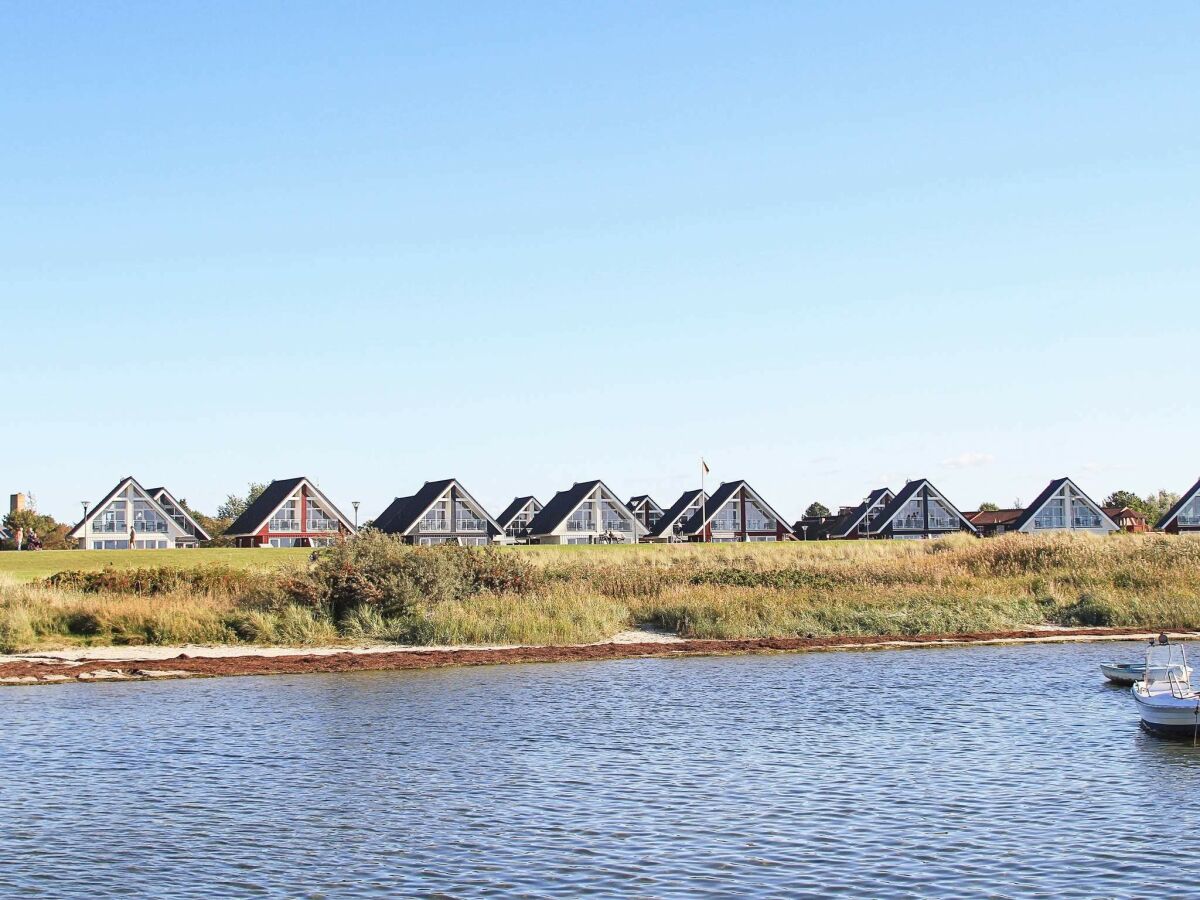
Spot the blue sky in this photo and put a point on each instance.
(828, 247)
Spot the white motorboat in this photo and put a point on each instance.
(1164, 697)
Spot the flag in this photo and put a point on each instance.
(704, 465)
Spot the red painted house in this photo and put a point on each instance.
(290, 513)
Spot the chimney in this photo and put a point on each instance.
(16, 503)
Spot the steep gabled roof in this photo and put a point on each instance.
(393, 509)
(642, 499)
(510, 512)
(671, 516)
(1051, 489)
(562, 504)
(720, 496)
(95, 510)
(843, 524)
(403, 517)
(907, 493)
(259, 512)
(1177, 507)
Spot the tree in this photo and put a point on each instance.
(988, 507)
(816, 510)
(234, 505)
(1158, 504)
(1121, 499)
(52, 535)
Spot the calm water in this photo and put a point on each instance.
(974, 772)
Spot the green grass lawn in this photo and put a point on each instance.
(31, 565)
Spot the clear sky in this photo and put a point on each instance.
(828, 247)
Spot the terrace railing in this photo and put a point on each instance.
(322, 525)
(580, 525)
(435, 524)
(284, 525)
(470, 525)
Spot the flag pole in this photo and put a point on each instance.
(703, 504)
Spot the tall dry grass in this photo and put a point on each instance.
(377, 590)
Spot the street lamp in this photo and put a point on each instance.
(85, 504)
(354, 503)
(804, 528)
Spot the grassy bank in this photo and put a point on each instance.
(375, 589)
(26, 566)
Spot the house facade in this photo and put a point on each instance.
(586, 513)
(735, 512)
(291, 512)
(669, 527)
(647, 511)
(441, 512)
(132, 517)
(1063, 506)
(514, 521)
(849, 523)
(918, 511)
(1128, 519)
(1184, 516)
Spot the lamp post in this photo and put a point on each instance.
(85, 504)
(804, 528)
(354, 503)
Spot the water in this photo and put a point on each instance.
(1006, 771)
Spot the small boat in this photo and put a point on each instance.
(1128, 673)
(1165, 699)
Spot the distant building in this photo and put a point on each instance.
(1184, 516)
(849, 523)
(918, 511)
(647, 511)
(992, 522)
(132, 517)
(735, 512)
(670, 524)
(514, 521)
(1128, 519)
(291, 512)
(441, 512)
(1063, 506)
(588, 512)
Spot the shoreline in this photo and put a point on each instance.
(56, 667)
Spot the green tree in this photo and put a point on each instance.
(988, 507)
(816, 510)
(1158, 504)
(234, 505)
(52, 535)
(1121, 499)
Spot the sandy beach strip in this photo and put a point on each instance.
(154, 663)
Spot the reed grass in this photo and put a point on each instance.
(380, 591)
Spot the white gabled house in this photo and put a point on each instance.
(291, 512)
(734, 512)
(131, 517)
(670, 524)
(586, 513)
(917, 511)
(514, 521)
(1184, 516)
(441, 512)
(647, 511)
(1062, 506)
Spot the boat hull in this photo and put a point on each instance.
(1167, 715)
(1175, 732)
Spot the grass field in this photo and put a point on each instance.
(30, 566)
(375, 589)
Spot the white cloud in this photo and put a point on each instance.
(968, 460)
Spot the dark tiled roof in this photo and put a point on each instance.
(993, 516)
(1177, 506)
(395, 508)
(674, 512)
(510, 511)
(643, 498)
(257, 513)
(561, 505)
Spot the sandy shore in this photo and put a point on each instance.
(147, 663)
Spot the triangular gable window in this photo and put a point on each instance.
(112, 518)
(940, 516)
(728, 517)
(320, 518)
(1189, 513)
(287, 517)
(757, 518)
(1053, 513)
(467, 517)
(1083, 514)
(615, 516)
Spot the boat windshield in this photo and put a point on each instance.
(1165, 662)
